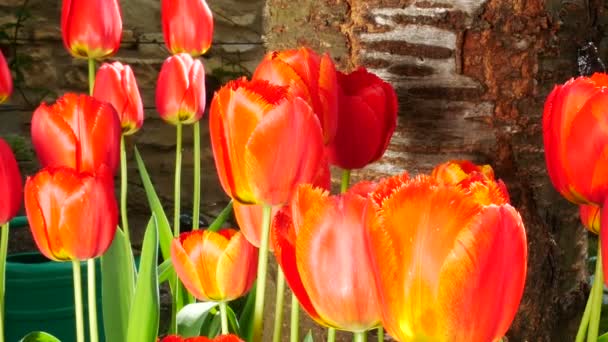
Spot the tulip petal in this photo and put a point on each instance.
(186, 270)
(10, 183)
(249, 219)
(35, 214)
(194, 99)
(237, 268)
(328, 97)
(171, 86)
(62, 152)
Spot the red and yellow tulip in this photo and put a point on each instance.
(187, 26)
(91, 29)
(590, 217)
(10, 183)
(367, 117)
(6, 80)
(115, 83)
(218, 266)
(72, 215)
(264, 142)
(448, 268)
(77, 131)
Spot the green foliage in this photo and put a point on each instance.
(39, 336)
(20, 146)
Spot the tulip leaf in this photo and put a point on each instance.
(39, 336)
(164, 227)
(118, 286)
(221, 218)
(603, 338)
(246, 319)
(145, 308)
(190, 319)
(166, 271)
(233, 323)
(308, 337)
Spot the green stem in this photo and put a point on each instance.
(258, 313)
(3, 253)
(345, 180)
(196, 199)
(278, 308)
(294, 335)
(224, 317)
(78, 300)
(178, 176)
(123, 189)
(597, 293)
(331, 335)
(91, 75)
(381, 334)
(92, 299)
(582, 328)
(360, 336)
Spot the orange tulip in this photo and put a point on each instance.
(448, 268)
(72, 216)
(215, 266)
(78, 131)
(115, 83)
(264, 142)
(180, 90)
(575, 132)
(321, 247)
(308, 76)
(91, 28)
(367, 117)
(10, 183)
(187, 26)
(590, 217)
(220, 338)
(6, 80)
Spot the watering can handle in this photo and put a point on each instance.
(19, 222)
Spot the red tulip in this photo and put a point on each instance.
(180, 90)
(308, 76)
(264, 143)
(367, 117)
(91, 28)
(321, 247)
(6, 80)
(187, 26)
(72, 216)
(590, 217)
(448, 268)
(220, 338)
(215, 266)
(10, 183)
(78, 131)
(115, 83)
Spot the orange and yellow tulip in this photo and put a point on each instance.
(91, 29)
(6, 80)
(320, 244)
(72, 216)
(309, 76)
(264, 142)
(218, 266)
(448, 268)
(115, 83)
(187, 26)
(590, 217)
(78, 131)
(10, 183)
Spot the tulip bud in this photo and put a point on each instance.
(187, 26)
(6, 80)
(10, 183)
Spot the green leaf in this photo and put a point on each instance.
(166, 271)
(190, 319)
(246, 319)
(308, 337)
(233, 323)
(144, 313)
(118, 286)
(221, 218)
(164, 227)
(39, 336)
(603, 338)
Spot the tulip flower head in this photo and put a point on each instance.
(449, 268)
(180, 90)
(72, 215)
(91, 29)
(10, 183)
(77, 131)
(187, 26)
(218, 266)
(590, 217)
(6, 80)
(367, 117)
(115, 83)
(264, 142)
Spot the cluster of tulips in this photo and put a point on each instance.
(438, 257)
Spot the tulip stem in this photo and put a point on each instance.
(91, 75)
(196, 199)
(123, 189)
(381, 334)
(178, 176)
(78, 300)
(582, 328)
(331, 335)
(92, 298)
(3, 252)
(278, 308)
(597, 292)
(294, 335)
(345, 180)
(360, 336)
(258, 314)
(224, 317)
